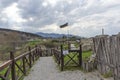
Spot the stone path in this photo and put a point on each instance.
(46, 69)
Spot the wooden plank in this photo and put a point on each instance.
(6, 64)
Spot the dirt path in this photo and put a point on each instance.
(45, 69)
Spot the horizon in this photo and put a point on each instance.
(37, 33)
(85, 18)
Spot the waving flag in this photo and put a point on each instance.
(64, 25)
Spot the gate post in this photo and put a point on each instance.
(80, 55)
(62, 58)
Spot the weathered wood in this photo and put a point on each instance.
(62, 58)
(30, 60)
(80, 56)
(59, 57)
(21, 56)
(108, 54)
(15, 69)
(6, 64)
(13, 66)
(24, 67)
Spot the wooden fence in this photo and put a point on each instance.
(47, 52)
(59, 57)
(16, 68)
(107, 50)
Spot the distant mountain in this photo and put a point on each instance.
(54, 35)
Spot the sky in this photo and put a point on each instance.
(85, 17)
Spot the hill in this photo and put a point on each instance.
(7, 35)
(12, 39)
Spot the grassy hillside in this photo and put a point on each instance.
(12, 35)
(11, 40)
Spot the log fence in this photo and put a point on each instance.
(17, 67)
(107, 50)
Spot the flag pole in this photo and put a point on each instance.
(68, 35)
(102, 31)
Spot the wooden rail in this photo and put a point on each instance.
(16, 68)
(59, 57)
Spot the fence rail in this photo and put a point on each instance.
(16, 68)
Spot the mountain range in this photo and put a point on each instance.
(12, 35)
(55, 35)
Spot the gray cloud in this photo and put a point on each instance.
(85, 17)
(5, 3)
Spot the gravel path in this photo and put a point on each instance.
(45, 69)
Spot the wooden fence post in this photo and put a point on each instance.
(33, 56)
(30, 55)
(80, 55)
(24, 67)
(36, 52)
(40, 51)
(51, 51)
(12, 66)
(62, 58)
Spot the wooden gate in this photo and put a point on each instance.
(64, 57)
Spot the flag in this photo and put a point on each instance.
(64, 25)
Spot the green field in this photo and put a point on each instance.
(72, 66)
(85, 55)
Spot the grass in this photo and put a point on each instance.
(19, 62)
(17, 70)
(5, 69)
(66, 58)
(4, 55)
(86, 55)
(72, 66)
(3, 72)
(31, 44)
(108, 74)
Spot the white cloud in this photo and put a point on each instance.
(13, 13)
(85, 17)
(49, 28)
(16, 28)
(45, 4)
(54, 28)
(110, 2)
(50, 2)
(31, 19)
(53, 3)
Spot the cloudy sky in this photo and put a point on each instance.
(85, 17)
